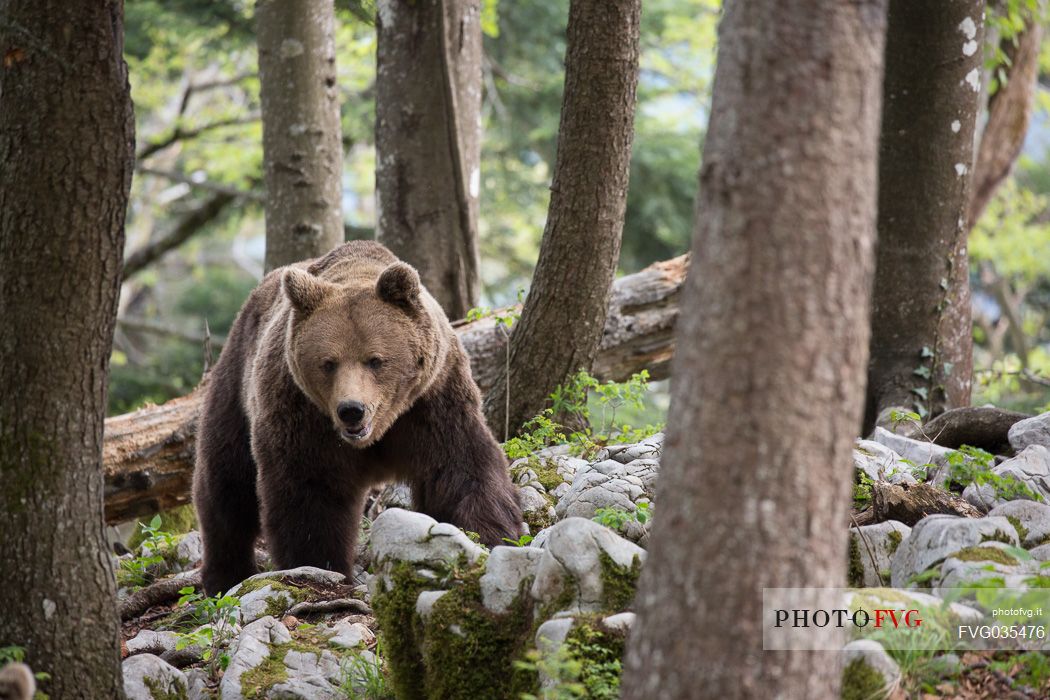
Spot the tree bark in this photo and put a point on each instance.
(564, 315)
(922, 335)
(302, 136)
(1009, 112)
(428, 142)
(772, 348)
(149, 453)
(67, 155)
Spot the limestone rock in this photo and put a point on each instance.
(1032, 517)
(350, 635)
(936, 537)
(593, 490)
(146, 677)
(506, 570)
(250, 649)
(880, 540)
(151, 642)
(404, 536)
(877, 461)
(919, 452)
(1030, 431)
(571, 569)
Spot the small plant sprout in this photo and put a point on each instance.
(215, 617)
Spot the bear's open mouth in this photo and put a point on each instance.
(357, 433)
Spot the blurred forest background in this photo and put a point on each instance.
(195, 234)
(199, 173)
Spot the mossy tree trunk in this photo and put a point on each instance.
(66, 154)
(428, 143)
(771, 352)
(564, 314)
(302, 134)
(922, 335)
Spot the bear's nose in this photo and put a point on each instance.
(351, 412)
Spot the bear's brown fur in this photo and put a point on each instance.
(338, 374)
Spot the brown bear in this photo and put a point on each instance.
(338, 374)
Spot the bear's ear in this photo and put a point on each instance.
(305, 291)
(399, 285)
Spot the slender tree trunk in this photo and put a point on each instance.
(922, 335)
(66, 154)
(302, 137)
(1009, 112)
(564, 315)
(772, 347)
(428, 142)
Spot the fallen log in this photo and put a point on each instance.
(148, 454)
(910, 503)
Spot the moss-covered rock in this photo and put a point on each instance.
(993, 554)
(862, 682)
(395, 608)
(468, 651)
(618, 582)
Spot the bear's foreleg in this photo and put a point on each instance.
(460, 475)
(309, 523)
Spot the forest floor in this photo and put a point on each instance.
(429, 608)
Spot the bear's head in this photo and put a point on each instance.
(363, 352)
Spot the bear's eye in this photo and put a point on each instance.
(328, 366)
(374, 362)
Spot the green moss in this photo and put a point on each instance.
(395, 610)
(600, 655)
(861, 682)
(313, 639)
(177, 521)
(618, 582)
(275, 605)
(1022, 531)
(174, 689)
(468, 650)
(998, 536)
(539, 519)
(255, 682)
(855, 572)
(895, 537)
(546, 472)
(563, 601)
(985, 554)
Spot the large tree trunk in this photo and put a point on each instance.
(772, 348)
(149, 453)
(564, 315)
(1009, 111)
(302, 137)
(921, 342)
(66, 153)
(428, 142)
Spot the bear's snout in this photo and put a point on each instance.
(352, 415)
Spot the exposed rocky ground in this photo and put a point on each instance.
(432, 614)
